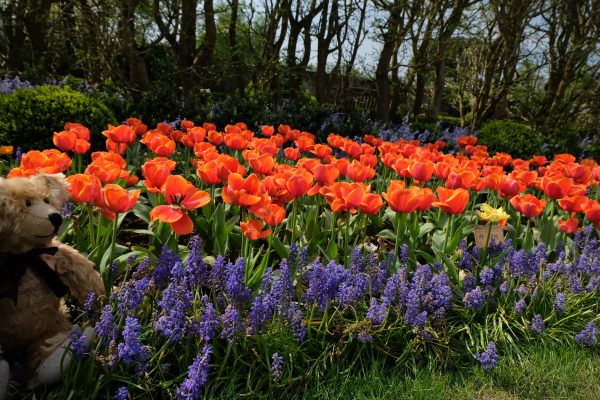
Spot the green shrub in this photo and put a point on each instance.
(518, 140)
(29, 117)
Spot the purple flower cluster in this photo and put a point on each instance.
(475, 299)
(191, 387)
(131, 350)
(276, 367)
(537, 324)
(588, 336)
(488, 357)
(121, 394)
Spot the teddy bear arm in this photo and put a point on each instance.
(78, 273)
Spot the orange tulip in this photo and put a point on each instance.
(49, 161)
(116, 199)
(271, 213)
(292, 153)
(461, 178)
(359, 172)
(569, 226)
(186, 125)
(65, 140)
(453, 201)
(556, 187)
(6, 150)
(591, 209)
(156, 172)
(421, 171)
(528, 205)
(235, 141)
(464, 141)
(252, 229)
(82, 132)
(344, 196)
(106, 171)
(240, 191)
(267, 130)
(120, 134)
(401, 199)
(538, 161)
(509, 187)
(298, 182)
(581, 174)
(110, 157)
(115, 147)
(572, 204)
(322, 151)
(426, 201)
(84, 188)
(209, 172)
(262, 164)
(181, 195)
(371, 203)
(159, 144)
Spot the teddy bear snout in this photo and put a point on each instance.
(55, 219)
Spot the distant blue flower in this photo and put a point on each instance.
(560, 303)
(191, 387)
(588, 336)
(504, 287)
(18, 154)
(537, 324)
(488, 357)
(90, 303)
(520, 306)
(414, 315)
(297, 325)
(276, 367)
(121, 394)
(209, 322)
(403, 255)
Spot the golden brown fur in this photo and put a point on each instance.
(38, 324)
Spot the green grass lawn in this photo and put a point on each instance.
(539, 373)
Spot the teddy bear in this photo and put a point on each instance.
(36, 271)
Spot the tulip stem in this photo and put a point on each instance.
(91, 226)
(347, 258)
(397, 236)
(448, 233)
(293, 220)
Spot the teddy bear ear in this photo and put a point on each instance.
(6, 208)
(58, 186)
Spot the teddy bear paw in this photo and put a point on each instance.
(4, 379)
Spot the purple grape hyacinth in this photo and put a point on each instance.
(588, 336)
(191, 387)
(488, 357)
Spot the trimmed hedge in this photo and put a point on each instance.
(29, 117)
(510, 137)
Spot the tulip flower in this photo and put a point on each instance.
(489, 214)
(298, 182)
(401, 199)
(262, 164)
(371, 203)
(156, 172)
(271, 213)
(452, 201)
(116, 199)
(106, 171)
(359, 172)
(528, 205)
(292, 153)
(84, 188)
(569, 226)
(181, 196)
(572, 204)
(591, 209)
(344, 196)
(252, 229)
(421, 171)
(240, 191)
(120, 134)
(6, 150)
(159, 144)
(556, 187)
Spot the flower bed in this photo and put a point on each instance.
(264, 258)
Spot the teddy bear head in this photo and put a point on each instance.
(30, 211)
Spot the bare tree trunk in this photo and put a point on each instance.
(138, 73)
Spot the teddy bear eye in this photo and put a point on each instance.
(28, 203)
(46, 201)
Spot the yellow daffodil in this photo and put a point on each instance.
(489, 214)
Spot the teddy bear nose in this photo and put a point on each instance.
(55, 219)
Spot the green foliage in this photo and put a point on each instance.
(28, 117)
(518, 140)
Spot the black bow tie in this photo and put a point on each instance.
(13, 267)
